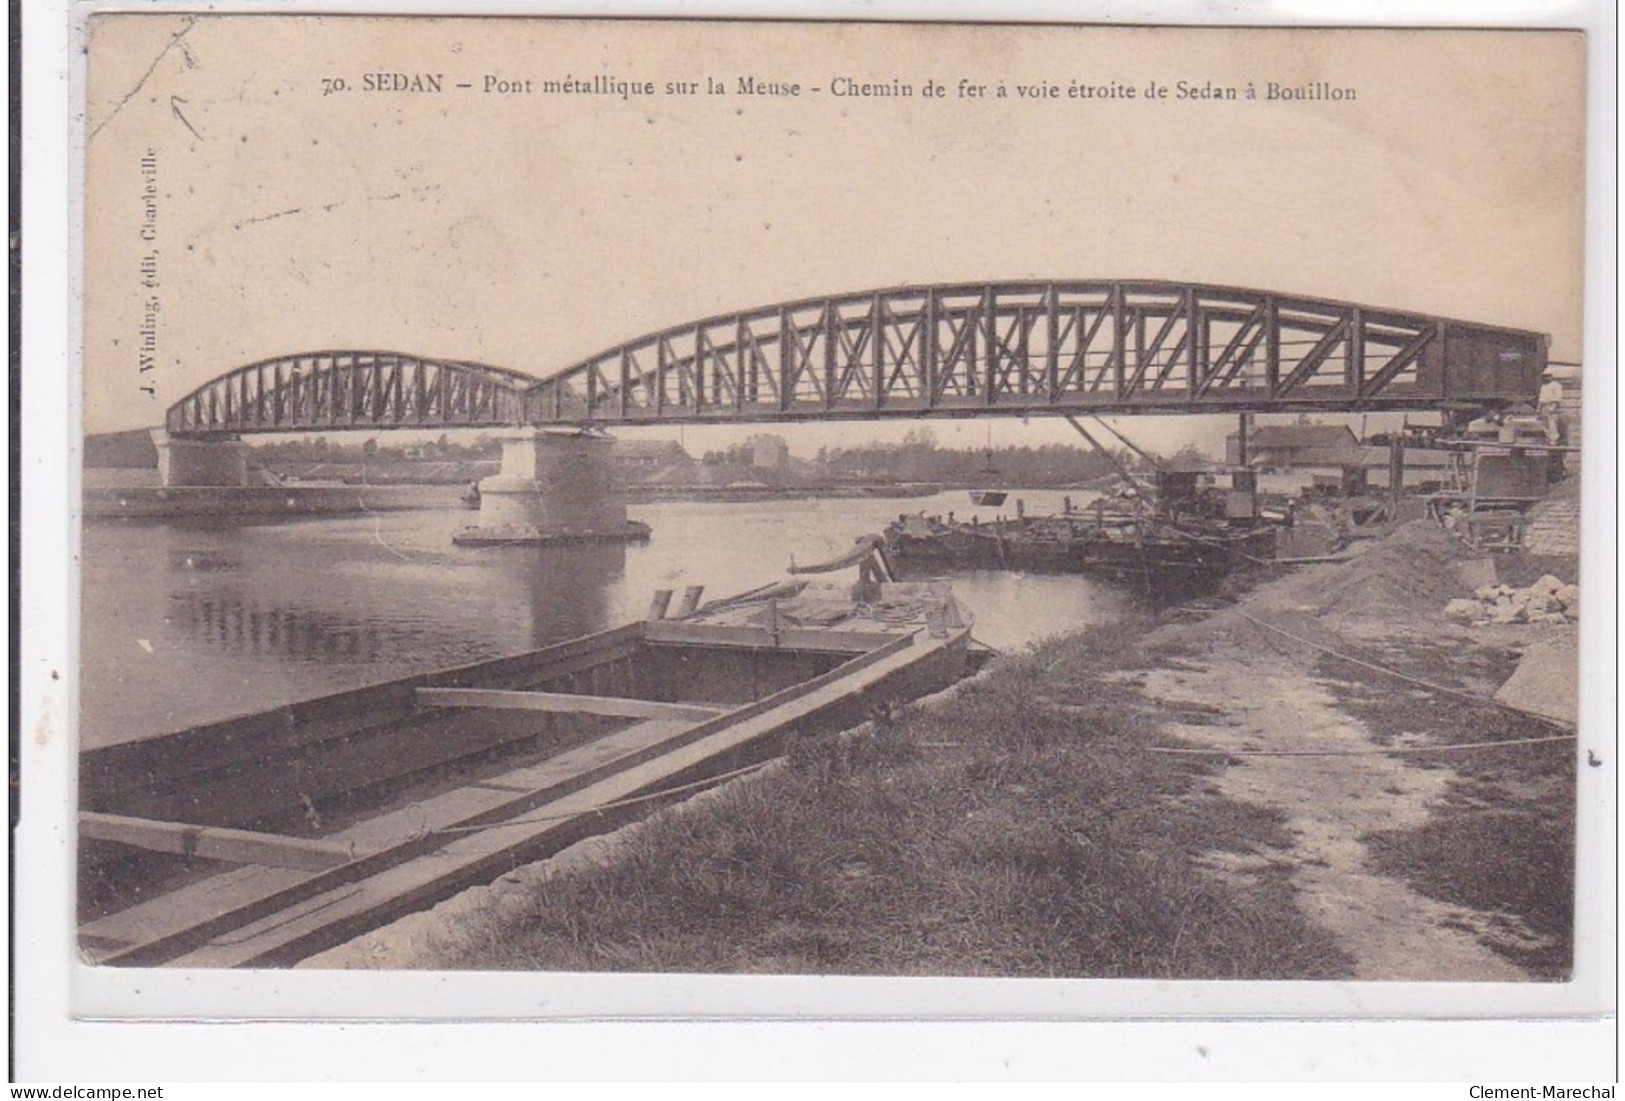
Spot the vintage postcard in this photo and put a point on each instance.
(572, 502)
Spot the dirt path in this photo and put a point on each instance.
(1330, 803)
(1253, 689)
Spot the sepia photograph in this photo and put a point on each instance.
(582, 497)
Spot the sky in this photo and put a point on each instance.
(530, 230)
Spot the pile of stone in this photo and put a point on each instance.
(1548, 600)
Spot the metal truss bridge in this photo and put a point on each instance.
(952, 350)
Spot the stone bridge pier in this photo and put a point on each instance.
(554, 487)
(200, 462)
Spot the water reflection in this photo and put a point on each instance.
(569, 588)
(530, 597)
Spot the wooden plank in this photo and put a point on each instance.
(760, 638)
(191, 905)
(214, 843)
(563, 702)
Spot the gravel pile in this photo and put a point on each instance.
(1415, 566)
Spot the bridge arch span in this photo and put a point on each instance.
(1036, 347)
(334, 390)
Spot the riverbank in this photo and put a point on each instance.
(294, 499)
(259, 504)
(1212, 794)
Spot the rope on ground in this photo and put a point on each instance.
(1357, 752)
(1556, 724)
(612, 805)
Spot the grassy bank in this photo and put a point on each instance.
(1017, 829)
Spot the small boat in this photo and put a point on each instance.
(260, 840)
(988, 498)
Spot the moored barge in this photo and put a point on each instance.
(1183, 535)
(1142, 554)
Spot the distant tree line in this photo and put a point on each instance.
(761, 458)
(323, 450)
(920, 460)
(916, 459)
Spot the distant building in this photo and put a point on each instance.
(1283, 448)
(655, 463)
(1289, 456)
(769, 452)
(650, 455)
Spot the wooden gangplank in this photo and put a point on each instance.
(272, 850)
(678, 632)
(564, 703)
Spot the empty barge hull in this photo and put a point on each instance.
(264, 839)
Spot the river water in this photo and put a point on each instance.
(187, 624)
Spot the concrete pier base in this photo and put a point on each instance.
(185, 462)
(554, 487)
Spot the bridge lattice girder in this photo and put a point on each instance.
(957, 350)
(352, 389)
(1032, 348)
